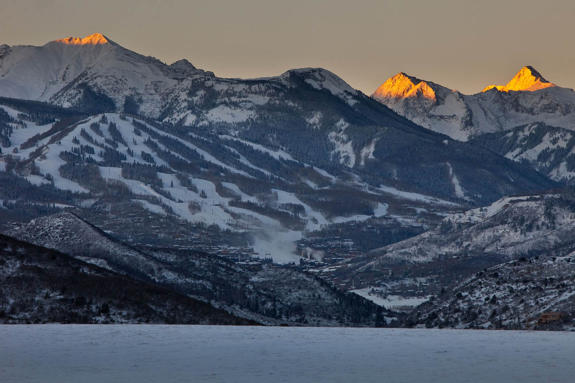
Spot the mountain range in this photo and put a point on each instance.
(527, 98)
(206, 186)
(264, 156)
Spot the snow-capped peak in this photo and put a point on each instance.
(93, 39)
(527, 79)
(403, 85)
(41, 73)
(323, 79)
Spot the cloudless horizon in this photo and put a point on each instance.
(462, 44)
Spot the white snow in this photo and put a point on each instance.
(226, 114)
(367, 152)
(554, 142)
(316, 218)
(211, 207)
(379, 211)
(391, 302)
(315, 119)
(456, 184)
(414, 196)
(151, 207)
(235, 189)
(324, 79)
(39, 73)
(324, 173)
(277, 154)
(343, 146)
(480, 214)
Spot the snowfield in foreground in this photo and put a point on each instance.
(85, 353)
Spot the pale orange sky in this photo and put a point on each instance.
(462, 44)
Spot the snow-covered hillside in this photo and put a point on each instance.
(509, 227)
(39, 285)
(522, 294)
(219, 180)
(68, 71)
(262, 292)
(548, 149)
(463, 244)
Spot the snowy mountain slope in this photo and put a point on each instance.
(548, 149)
(39, 285)
(379, 155)
(511, 226)
(95, 72)
(65, 231)
(218, 180)
(527, 98)
(465, 243)
(514, 295)
(263, 292)
(94, 69)
(265, 187)
(427, 104)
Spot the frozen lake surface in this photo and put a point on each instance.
(138, 353)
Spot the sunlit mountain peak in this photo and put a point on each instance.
(93, 39)
(403, 85)
(527, 79)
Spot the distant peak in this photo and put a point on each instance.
(93, 39)
(320, 78)
(403, 85)
(183, 64)
(527, 79)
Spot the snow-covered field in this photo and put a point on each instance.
(86, 353)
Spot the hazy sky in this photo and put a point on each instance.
(462, 44)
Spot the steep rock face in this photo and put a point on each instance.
(527, 98)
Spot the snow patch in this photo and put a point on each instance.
(343, 150)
